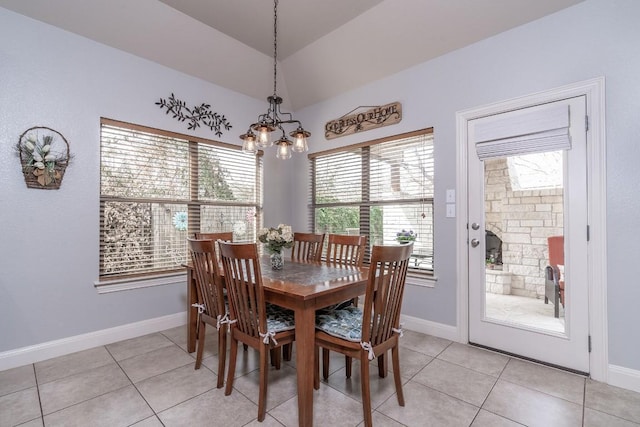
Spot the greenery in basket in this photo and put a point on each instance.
(39, 159)
(406, 236)
(277, 238)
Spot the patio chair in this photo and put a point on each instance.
(554, 274)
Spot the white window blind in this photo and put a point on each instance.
(377, 189)
(532, 130)
(158, 187)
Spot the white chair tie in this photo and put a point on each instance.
(366, 346)
(399, 330)
(268, 336)
(200, 307)
(221, 320)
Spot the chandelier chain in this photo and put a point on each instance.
(274, 118)
(275, 45)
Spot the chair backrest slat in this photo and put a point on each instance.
(307, 246)
(243, 281)
(207, 275)
(346, 250)
(385, 289)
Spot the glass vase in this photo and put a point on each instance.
(277, 261)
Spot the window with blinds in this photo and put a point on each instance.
(378, 189)
(157, 188)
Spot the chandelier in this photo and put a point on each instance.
(274, 118)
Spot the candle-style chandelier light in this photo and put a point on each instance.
(273, 119)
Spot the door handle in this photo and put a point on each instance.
(475, 225)
(474, 242)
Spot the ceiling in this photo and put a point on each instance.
(325, 47)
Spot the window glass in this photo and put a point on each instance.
(378, 189)
(157, 188)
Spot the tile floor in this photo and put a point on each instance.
(151, 381)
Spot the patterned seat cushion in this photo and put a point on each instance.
(345, 323)
(338, 306)
(279, 319)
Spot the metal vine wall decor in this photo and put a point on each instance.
(197, 115)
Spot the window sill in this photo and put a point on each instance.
(421, 280)
(106, 287)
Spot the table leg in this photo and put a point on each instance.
(192, 312)
(305, 344)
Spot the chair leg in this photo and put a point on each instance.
(222, 355)
(325, 364)
(366, 391)
(395, 355)
(383, 365)
(276, 357)
(316, 368)
(264, 369)
(232, 365)
(347, 366)
(200, 349)
(287, 351)
(197, 327)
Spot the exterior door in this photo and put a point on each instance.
(527, 210)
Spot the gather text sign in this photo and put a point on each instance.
(372, 118)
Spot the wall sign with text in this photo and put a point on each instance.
(372, 118)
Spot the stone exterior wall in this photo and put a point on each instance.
(523, 220)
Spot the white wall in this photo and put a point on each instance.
(595, 38)
(49, 239)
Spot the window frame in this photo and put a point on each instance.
(109, 282)
(424, 277)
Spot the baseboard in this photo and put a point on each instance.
(47, 350)
(430, 328)
(624, 378)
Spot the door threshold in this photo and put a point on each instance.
(529, 359)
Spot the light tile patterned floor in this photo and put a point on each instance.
(150, 381)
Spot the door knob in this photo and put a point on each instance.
(475, 225)
(474, 242)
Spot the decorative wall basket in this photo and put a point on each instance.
(44, 156)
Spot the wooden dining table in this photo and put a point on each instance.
(302, 287)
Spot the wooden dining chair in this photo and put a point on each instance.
(346, 250)
(307, 247)
(225, 236)
(264, 327)
(211, 305)
(366, 332)
(343, 250)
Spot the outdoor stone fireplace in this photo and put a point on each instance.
(522, 220)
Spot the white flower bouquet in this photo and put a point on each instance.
(277, 238)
